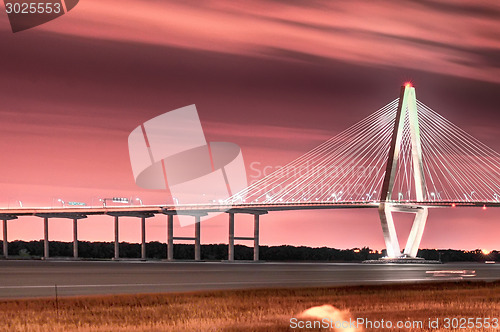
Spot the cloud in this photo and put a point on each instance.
(266, 132)
(457, 38)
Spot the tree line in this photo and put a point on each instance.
(157, 250)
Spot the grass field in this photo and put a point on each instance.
(250, 310)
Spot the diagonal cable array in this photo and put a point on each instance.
(347, 167)
(350, 167)
(458, 167)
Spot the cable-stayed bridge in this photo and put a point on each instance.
(405, 157)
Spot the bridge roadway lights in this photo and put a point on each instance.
(197, 232)
(143, 216)
(255, 238)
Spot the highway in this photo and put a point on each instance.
(24, 279)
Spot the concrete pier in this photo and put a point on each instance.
(5, 240)
(75, 238)
(143, 238)
(170, 237)
(256, 232)
(197, 240)
(256, 236)
(117, 244)
(45, 237)
(230, 249)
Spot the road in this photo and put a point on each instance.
(21, 279)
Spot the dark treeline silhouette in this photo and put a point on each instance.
(157, 250)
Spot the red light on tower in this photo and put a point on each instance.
(408, 85)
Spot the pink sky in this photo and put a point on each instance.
(275, 77)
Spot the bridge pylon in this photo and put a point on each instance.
(407, 110)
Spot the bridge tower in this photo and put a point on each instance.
(407, 108)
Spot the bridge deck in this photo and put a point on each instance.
(66, 212)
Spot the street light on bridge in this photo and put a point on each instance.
(369, 196)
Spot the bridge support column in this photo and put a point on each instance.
(143, 238)
(256, 237)
(256, 232)
(407, 106)
(133, 214)
(170, 237)
(117, 246)
(390, 236)
(75, 238)
(389, 230)
(45, 238)
(5, 240)
(230, 249)
(72, 216)
(197, 239)
(416, 232)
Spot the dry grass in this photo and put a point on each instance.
(248, 310)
